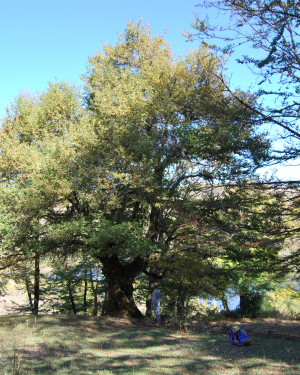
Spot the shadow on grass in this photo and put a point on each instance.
(86, 345)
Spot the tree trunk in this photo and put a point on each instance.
(225, 303)
(243, 303)
(171, 307)
(95, 292)
(149, 304)
(180, 306)
(71, 296)
(36, 289)
(95, 305)
(119, 279)
(85, 293)
(28, 289)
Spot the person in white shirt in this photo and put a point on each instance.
(156, 297)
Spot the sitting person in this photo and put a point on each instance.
(239, 337)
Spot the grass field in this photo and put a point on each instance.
(60, 344)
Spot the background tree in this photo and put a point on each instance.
(265, 36)
(282, 302)
(32, 134)
(230, 241)
(28, 273)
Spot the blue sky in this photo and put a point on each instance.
(42, 41)
(45, 40)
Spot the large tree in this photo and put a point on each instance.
(169, 126)
(114, 177)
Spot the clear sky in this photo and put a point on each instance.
(48, 40)
(45, 40)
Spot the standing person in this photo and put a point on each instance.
(156, 297)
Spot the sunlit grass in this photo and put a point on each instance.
(85, 345)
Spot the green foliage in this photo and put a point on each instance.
(229, 241)
(67, 284)
(250, 304)
(124, 239)
(203, 309)
(281, 303)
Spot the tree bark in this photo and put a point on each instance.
(103, 311)
(180, 306)
(243, 303)
(28, 289)
(71, 297)
(36, 289)
(225, 303)
(95, 292)
(85, 293)
(119, 279)
(149, 304)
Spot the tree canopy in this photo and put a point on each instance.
(117, 172)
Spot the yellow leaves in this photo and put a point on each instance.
(140, 78)
(40, 146)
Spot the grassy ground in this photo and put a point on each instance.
(86, 345)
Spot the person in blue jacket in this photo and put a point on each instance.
(155, 300)
(239, 337)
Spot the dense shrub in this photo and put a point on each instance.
(281, 303)
(250, 304)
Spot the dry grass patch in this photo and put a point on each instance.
(64, 344)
